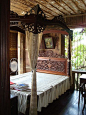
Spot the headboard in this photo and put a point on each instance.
(52, 63)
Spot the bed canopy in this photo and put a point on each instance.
(34, 25)
(36, 22)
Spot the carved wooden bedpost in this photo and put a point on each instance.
(34, 30)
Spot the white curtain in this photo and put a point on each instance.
(33, 43)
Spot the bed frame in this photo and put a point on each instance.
(50, 62)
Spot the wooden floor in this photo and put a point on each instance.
(67, 104)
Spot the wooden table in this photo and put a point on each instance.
(79, 71)
(83, 78)
(73, 75)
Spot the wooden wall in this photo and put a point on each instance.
(62, 44)
(17, 50)
(76, 21)
(58, 41)
(13, 45)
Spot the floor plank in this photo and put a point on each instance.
(67, 104)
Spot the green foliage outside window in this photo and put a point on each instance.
(79, 50)
(66, 46)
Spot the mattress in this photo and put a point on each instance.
(49, 88)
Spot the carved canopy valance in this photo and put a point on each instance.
(36, 21)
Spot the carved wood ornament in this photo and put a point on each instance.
(36, 21)
(51, 62)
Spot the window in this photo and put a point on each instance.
(79, 50)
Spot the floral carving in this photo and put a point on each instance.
(58, 66)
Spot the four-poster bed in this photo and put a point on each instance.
(35, 24)
(50, 84)
(52, 81)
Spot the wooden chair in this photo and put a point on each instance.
(82, 92)
(84, 96)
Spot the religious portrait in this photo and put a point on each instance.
(49, 43)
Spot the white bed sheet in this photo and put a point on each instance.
(49, 88)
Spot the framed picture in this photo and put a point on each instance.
(48, 43)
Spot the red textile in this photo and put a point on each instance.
(11, 83)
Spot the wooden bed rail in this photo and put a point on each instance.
(52, 65)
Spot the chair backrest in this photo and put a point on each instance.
(14, 66)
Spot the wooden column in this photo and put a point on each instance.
(69, 62)
(21, 53)
(62, 45)
(4, 57)
(18, 52)
(69, 57)
(24, 55)
(59, 44)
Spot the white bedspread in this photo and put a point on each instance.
(49, 87)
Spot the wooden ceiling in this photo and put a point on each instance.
(51, 8)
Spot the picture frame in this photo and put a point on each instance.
(48, 43)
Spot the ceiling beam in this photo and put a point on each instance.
(75, 3)
(49, 9)
(76, 26)
(22, 2)
(55, 31)
(49, 13)
(56, 8)
(62, 6)
(21, 9)
(69, 6)
(76, 21)
(83, 2)
(74, 15)
(45, 5)
(14, 8)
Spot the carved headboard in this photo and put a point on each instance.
(53, 63)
